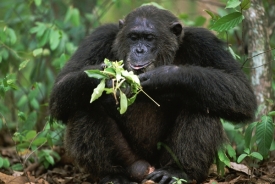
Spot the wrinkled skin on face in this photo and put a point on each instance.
(142, 41)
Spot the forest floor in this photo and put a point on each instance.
(63, 172)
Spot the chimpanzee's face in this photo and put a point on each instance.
(142, 42)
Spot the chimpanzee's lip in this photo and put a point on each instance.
(138, 67)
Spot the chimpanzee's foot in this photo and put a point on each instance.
(162, 176)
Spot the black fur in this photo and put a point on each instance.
(186, 70)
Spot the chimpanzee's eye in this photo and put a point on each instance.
(149, 37)
(133, 37)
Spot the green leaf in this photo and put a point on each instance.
(110, 72)
(46, 164)
(1, 162)
(109, 90)
(247, 151)
(75, 18)
(256, 155)
(45, 38)
(199, 21)
(98, 91)
(23, 64)
(30, 135)
(227, 22)
(37, 52)
(223, 157)
(54, 39)
(214, 16)
(248, 134)
(132, 99)
(50, 140)
(130, 76)
(11, 35)
(241, 157)
(17, 167)
(123, 103)
(50, 159)
(6, 163)
(39, 141)
(37, 2)
(96, 74)
(264, 135)
(245, 4)
(30, 122)
(272, 113)
(236, 56)
(232, 3)
(231, 152)
(22, 116)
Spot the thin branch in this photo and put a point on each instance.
(256, 55)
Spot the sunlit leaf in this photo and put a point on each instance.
(54, 39)
(98, 91)
(223, 157)
(231, 151)
(111, 72)
(132, 99)
(232, 3)
(37, 52)
(272, 113)
(98, 74)
(227, 22)
(23, 64)
(39, 141)
(30, 135)
(123, 103)
(75, 17)
(50, 159)
(256, 155)
(241, 157)
(37, 2)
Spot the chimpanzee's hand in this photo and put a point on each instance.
(160, 77)
(161, 177)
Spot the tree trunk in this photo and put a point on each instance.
(260, 55)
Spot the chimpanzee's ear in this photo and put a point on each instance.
(120, 23)
(176, 28)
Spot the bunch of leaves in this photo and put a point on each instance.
(228, 22)
(29, 142)
(254, 144)
(222, 159)
(4, 163)
(120, 78)
(258, 138)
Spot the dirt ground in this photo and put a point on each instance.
(63, 172)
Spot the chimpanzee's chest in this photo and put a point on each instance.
(144, 125)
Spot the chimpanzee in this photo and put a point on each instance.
(187, 70)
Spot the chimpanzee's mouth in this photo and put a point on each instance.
(139, 67)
